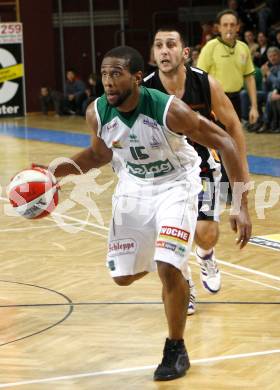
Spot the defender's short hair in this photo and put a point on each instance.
(134, 59)
(170, 29)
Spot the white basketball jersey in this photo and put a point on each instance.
(144, 149)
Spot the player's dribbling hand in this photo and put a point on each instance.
(34, 165)
(47, 168)
(241, 224)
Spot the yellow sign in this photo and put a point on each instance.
(11, 73)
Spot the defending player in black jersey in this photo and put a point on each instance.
(205, 95)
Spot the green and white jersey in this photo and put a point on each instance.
(144, 149)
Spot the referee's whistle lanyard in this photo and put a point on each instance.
(230, 47)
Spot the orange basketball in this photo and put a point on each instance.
(33, 193)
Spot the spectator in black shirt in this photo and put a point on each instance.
(260, 55)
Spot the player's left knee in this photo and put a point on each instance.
(207, 234)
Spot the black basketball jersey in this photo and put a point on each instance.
(198, 96)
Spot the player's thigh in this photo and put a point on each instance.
(176, 222)
(131, 237)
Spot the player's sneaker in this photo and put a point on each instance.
(210, 275)
(191, 305)
(175, 361)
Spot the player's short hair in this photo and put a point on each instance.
(227, 12)
(135, 62)
(173, 28)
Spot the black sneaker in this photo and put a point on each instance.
(254, 127)
(263, 129)
(175, 361)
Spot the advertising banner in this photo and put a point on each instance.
(12, 86)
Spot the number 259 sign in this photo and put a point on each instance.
(12, 87)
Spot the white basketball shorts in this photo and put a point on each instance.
(147, 229)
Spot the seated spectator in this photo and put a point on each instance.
(245, 102)
(275, 111)
(207, 28)
(51, 100)
(260, 56)
(277, 39)
(208, 37)
(271, 76)
(74, 93)
(194, 56)
(249, 38)
(215, 30)
(93, 90)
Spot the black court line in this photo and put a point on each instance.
(71, 308)
(72, 304)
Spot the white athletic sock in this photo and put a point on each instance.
(203, 252)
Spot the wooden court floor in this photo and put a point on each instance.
(65, 325)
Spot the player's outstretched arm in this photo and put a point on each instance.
(94, 156)
(181, 119)
(225, 112)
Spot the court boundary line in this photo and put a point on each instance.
(251, 280)
(110, 303)
(250, 270)
(15, 230)
(244, 278)
(263, 246)
(133, 369)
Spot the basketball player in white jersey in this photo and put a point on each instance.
(142, 133)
